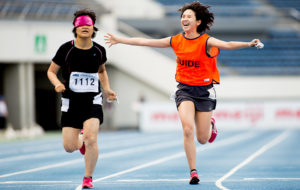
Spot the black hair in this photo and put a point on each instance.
(89, 13)
(202, 13)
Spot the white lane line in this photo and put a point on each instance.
(31, 156)
(59, 151)
(273, 179)
(185, 179)
(272, 143)
(102, 156)
(235, 139)
(37, 146)
(33, 182)
(32, 150)
(151, 180)
(42, 168)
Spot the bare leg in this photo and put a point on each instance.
(91, 128)
(187, 116)
(203, 126)
(71, 139)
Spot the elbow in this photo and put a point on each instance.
(50, 74)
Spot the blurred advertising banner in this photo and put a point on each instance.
(163, 116)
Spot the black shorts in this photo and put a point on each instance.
(2, 122)
(204, 97)
(76, 115)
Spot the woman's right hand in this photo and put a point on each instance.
(60, 88)
(110, 39)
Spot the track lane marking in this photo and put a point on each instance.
(235, 139)
(59, 150)
(263, 149)
(34, 182)
(102, 156)
(273, 179)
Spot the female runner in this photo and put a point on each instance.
(196, 74)
(82, 62)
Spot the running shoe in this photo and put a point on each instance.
(82, 149)
(214, 131)
(87, 183)
(194, 178)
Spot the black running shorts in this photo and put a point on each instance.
(204, 97)
(75, 116)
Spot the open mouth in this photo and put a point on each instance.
(186, 24)
(85, 31)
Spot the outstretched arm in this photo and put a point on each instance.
(213, 42)
(160, 43)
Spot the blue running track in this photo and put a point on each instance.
(130, 160)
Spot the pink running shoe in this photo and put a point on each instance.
(194, 178)
(87, 183)
(214, 131)
(82, 149)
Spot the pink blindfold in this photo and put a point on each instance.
(83, 20)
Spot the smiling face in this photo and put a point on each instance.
(188, 21)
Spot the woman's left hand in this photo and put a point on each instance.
(111, 95)
(254, 42)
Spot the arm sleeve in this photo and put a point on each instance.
(104, 58)
(102, 53)
(59, 57)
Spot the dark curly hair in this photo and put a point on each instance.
(89, 13)
(202, 13)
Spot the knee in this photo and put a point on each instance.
(188, 131)
(90, 140)
(69, 148)
(202, 140)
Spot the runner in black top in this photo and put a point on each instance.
(82, 62)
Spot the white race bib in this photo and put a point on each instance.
(84, 82)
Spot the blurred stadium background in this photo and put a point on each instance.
(259, 88)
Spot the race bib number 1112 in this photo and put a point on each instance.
(84, 82)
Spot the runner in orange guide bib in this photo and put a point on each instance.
(194, 65)
(196, 74)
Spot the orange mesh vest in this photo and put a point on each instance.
(194, 66)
